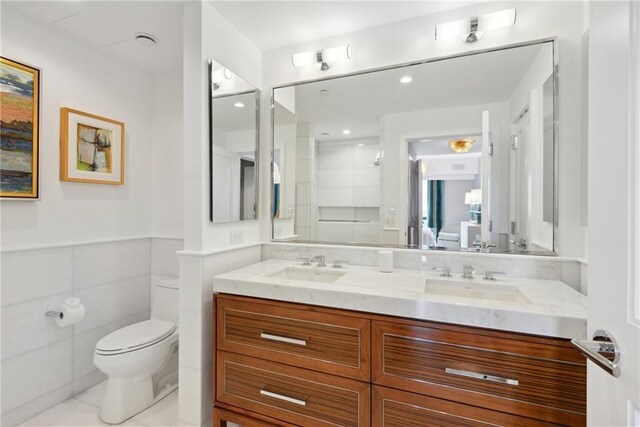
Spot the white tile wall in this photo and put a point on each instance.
(43, 364)
(196, 297)
(28, 275)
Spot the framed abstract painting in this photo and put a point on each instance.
(91, 148)
(19, 125)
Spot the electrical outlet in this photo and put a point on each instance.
(237, 237)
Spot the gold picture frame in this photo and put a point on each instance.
(19, 130)
(91, 148)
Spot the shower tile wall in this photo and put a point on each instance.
(43, 364)
(349, 190)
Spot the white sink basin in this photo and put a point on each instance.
(469, 289)
(308, 274)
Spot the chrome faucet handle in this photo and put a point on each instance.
(522, 243)
(319, 259)
(446, 272)
(337, 263)
(305, 261)
(484, 245)
(467, 272)
(488, 275)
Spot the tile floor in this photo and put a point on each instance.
(83, 410)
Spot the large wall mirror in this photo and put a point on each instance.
(234, 115)
(455, 154)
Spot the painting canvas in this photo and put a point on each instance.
(19, 108)
(91, 148)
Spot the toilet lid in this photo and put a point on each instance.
(135, 336)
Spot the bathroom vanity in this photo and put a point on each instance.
(301, 345)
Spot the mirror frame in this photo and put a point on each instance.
(257, 145)
(556, 135)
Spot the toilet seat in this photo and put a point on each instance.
(135, 337)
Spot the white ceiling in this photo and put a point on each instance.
(357, 102)
(229, 118)
(273, 24)
(110, 27)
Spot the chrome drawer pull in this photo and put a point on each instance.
(282, 397)
(485, 377)
(271, 337)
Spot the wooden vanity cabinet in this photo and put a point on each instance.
(284, 364)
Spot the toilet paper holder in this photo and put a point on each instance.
(51, 313)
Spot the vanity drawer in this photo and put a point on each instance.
(294, 395)
(304, 336)
(530, 376)
(396, 408)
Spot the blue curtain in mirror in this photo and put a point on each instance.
(435, 214)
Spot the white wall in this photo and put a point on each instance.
(455, 211)
(207, 35)
(167, 187)
(42, 364)
(413, 40)
(74, 75)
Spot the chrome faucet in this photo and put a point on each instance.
(319, 259)
(467, 272)
(520, 244)
(488, 275)
(446, 271)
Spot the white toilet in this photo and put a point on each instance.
(141, 360)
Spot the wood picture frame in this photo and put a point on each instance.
(91, 148)
(19, 130)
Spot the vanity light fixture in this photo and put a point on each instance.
(238, 105)
(217, 77)
(406, 79)
(462, 145)
(472, 29)
(323, 58)
(346, 132)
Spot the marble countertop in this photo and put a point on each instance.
(550, 307)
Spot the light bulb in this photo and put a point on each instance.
(501, 19)
(452, 29)
(340, 53)
(221, 75)
(304, 58)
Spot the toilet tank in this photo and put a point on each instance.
(165, 304)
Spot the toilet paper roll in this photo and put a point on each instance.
(385, 261)
(71, 312)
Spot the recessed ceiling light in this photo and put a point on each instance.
(324, 92)
(346, 132)
(238, 105)
(325, 134)
(360, 145)
(145, 39)
(406, 79)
